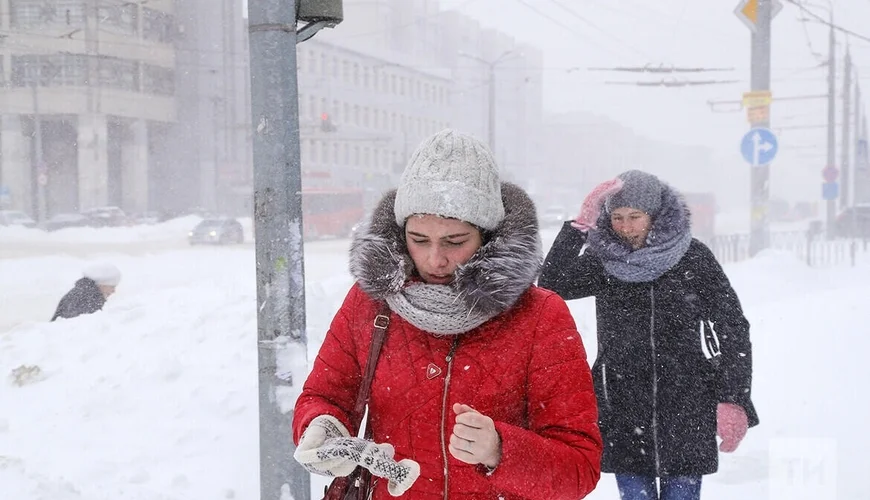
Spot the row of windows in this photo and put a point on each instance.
(344, 113)
(371, 77)
(121, 17)
(56, 70)
(333, 153)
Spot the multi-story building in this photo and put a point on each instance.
(88, 99)
(211, 141)
(496, 83)
(362, 114)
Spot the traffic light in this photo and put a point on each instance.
(326, 124)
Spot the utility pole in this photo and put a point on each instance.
(41, 174)
(491, 122)
(759, 235)
(831, 207)
(282, 350)
(845, 185)
(282, 354)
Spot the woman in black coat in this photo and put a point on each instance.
(674, 364)
(90, 292)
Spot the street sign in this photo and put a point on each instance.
(830, 173)
(757, 98)
(758, 115)
(759, 146)
(747, 12)
(830, 191)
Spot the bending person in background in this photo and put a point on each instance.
(90, 292)
(483, 389)
(674, 364)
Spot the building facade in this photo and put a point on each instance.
(88, 100)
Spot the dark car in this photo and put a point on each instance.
(854, 222)
(217, 232)
(105, 217)
(15, 218)
(63, 221)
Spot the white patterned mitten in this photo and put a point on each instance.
(311, 453)
(377, 458)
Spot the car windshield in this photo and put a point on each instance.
(211, 224)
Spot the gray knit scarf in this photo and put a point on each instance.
(437, 309)
(667, 243)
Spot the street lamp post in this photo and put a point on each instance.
(491, 65)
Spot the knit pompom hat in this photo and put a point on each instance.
(451, 175)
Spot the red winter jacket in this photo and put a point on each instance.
(526, 369)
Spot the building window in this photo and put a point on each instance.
(158, 80)
(356, 77)
(119, 74)
(324, 65)
(312, 108)
(25, 13)
(123, 18)
(49, 70)
(315, 151)
(335, 151)
(157, 26)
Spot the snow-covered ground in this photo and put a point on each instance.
(155, 398)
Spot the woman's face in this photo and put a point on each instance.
(632, 225)
(438, 246)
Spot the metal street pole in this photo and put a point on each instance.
(282, 353)
(759, 235)
(41, 174)
(491, 125)
(832, 135)
(845, 185)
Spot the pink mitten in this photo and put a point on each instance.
(591, 207)
(731, 425)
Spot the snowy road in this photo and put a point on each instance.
(166, 374)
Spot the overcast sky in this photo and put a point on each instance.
(686, 33)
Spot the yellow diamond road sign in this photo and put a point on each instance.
(747, 11)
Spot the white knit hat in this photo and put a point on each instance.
(103, 274)
(451, 175)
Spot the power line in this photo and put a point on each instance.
(573, 13)
(564, 26)
(824, 21)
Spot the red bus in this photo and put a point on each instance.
(331, 212)
(703, 211)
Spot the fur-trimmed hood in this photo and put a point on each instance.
(490, 282)
(672, 221)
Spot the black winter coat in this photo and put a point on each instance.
(84, 298)
(669, 351)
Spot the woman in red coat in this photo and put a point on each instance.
(482, 389)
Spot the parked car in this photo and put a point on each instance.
(63, 221)
(106, 216)
(854, 222)
(15, 218)
(217, 232)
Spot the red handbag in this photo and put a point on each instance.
(358, 485)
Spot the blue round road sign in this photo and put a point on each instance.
(759, 146)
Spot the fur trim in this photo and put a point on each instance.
(490, 282)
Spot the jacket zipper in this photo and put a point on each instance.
(604, 383)
(655, 387)
(449, 360)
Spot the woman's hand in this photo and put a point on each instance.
(474, 439)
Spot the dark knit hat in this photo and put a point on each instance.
(640, 190)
